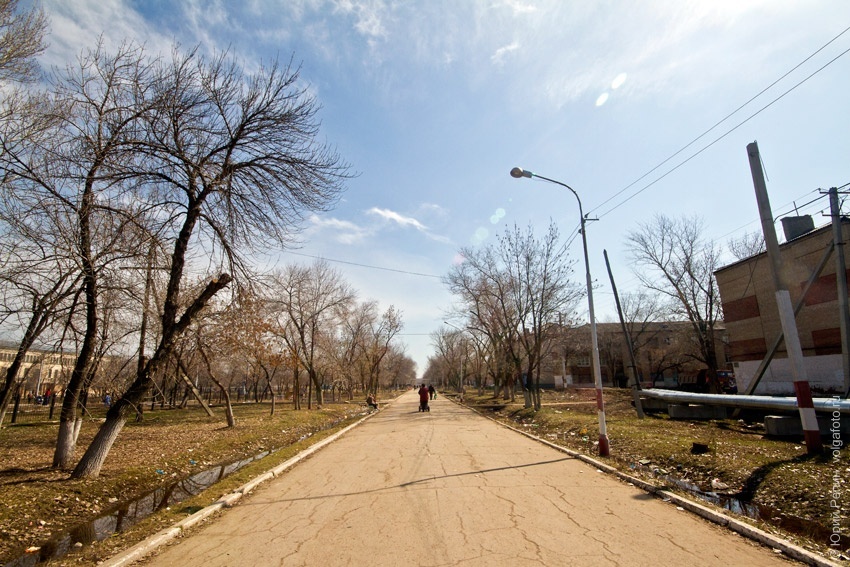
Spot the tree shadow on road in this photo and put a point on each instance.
(422, 481)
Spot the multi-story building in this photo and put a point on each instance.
(664, 354)
(42, 370)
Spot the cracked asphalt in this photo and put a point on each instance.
(452, 488)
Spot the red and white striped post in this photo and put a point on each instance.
(811, 429)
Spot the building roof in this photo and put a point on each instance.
(787, 244)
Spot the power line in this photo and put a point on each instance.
(790, 207)
(647, 186)
(362, 265)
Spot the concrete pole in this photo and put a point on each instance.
(628, 338)
(783, 298)
(841, 281)
(597, 369)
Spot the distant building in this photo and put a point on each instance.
(663, 352)
(752, 319)
(41, 371)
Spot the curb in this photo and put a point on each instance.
(744, 529)
(154, 542)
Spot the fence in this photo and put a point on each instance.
(41, 409)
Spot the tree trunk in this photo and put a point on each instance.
(228, 411)
(78, 426)
(82, 367)
(313, 377)
(63, 455)
(296, 390)
(271, 391)
(91, 463)
(116, 417)
(228, 407)
(10, 383)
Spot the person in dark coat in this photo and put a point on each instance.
(423, 398)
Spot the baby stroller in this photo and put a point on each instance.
(423, 406)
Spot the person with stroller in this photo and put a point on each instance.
(423, 398)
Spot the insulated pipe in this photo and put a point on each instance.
(755, 402)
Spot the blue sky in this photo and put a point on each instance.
(433, 102)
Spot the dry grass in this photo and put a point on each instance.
(38, 503)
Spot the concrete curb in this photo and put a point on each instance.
(154, 542)
(742, 528)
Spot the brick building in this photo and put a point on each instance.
(752, 319)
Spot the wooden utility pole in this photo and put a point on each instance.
(786, 310)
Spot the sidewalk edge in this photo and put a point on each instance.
(742, 528)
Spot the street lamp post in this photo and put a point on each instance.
(518, 173)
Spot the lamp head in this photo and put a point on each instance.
(518, 172)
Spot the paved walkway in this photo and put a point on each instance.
(452, 488)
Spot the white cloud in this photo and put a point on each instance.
(397, 218)
(369, 16)
(345, 232)
(499, 56)
(520, 7)
(406, 221)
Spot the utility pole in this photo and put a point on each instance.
(808, 417)
(841, 281)
(628, 338)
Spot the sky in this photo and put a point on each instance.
(642, 108)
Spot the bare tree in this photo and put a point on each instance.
(71, 161)
(674, 258)
(37, 280)
(484, 291)
(542, 269)
(379, 344)
(515, 291)
(451, 349)
(748, 245)
(21, 41)
(232, 162)
(350, 344)
(311, 302)
(208, 340)
(398, 368)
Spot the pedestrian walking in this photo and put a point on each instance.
(423, 398)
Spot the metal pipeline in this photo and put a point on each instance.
(736, 401)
